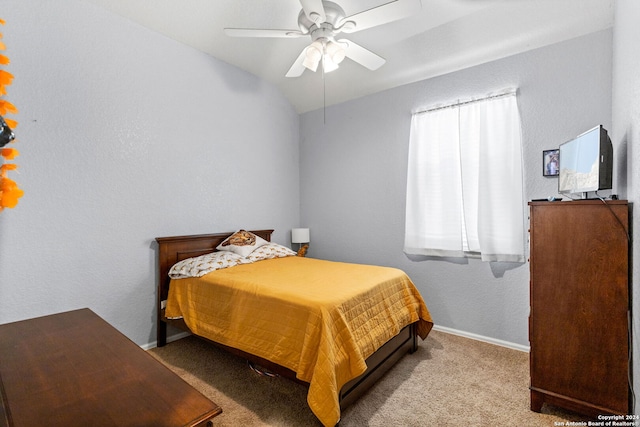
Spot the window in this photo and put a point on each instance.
(464, 181)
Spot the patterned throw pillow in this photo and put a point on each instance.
(268, 251)
(201, 265)
(242, 242)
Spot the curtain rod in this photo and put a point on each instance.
(471, 101)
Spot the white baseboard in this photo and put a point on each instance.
(476, 337)
(172, 338)
(444, 329)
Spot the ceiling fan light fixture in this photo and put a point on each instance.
(313, 55)
(335, 51)
(328, 65)
(311, 64)
(323, 20)
(315, 50)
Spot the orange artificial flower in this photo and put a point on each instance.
(9, 190)
(9, 153)
(11, 123)
(9, 193)
(7, 107)
(5, 77)
(7, 167)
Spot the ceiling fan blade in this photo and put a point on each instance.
(314, 10)
(255, 32)
(361, 55)
(388, 12)
(297, 68)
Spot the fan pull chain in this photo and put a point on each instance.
(324, 94)
(324, 98)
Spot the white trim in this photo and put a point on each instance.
(172, 338)
(444, 329)
(489, 340)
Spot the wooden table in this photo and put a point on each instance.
(74, 369)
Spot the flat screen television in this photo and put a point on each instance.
(586, 163)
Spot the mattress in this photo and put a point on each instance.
(319, 318)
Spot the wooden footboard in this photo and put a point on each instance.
(377, 364)
(174, 249)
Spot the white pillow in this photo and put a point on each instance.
(203, 264)
(242, 242)
(268, 251)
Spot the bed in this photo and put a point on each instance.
(354, 347)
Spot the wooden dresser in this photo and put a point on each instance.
(579, 318)
(74, 369)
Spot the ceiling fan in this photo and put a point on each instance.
(323, 21)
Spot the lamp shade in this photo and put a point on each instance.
(312, 57)
(300, 235)
(335, 51)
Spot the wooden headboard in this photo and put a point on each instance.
(176, 248)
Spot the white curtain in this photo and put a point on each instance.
(464, 183)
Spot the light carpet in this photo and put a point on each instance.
(448, 381)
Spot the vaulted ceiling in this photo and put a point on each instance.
(441, 36)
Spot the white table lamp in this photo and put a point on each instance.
(301, 237)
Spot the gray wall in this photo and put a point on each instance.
(124, 136)
(626, 133)
(353, 174)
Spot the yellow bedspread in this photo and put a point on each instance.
(321, 319)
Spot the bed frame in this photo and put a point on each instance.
(174, 249)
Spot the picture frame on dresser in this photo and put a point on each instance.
(550, 162)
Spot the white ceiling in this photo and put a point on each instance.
(446, 35)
